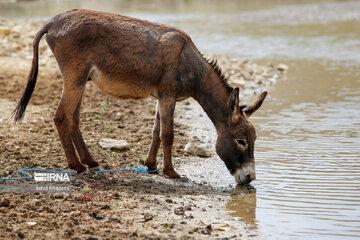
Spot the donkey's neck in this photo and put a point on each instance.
(213, 96)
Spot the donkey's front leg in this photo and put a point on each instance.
(167, 107)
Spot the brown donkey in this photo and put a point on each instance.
(132, 58)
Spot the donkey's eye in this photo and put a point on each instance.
(241, 142)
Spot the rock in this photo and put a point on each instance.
(21, 235)
(5, 203)
(239, 82)
(15, 35)
(203, 151)
(197, 150)
(179, 211)
(190, 148)
(148, 217)
(4, 31)
(282, 67)
(109, 143)
(96, 215)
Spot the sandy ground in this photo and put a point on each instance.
(109, 206)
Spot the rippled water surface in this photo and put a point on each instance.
(308, 149)
(308, 154)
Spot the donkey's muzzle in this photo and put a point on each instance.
(245, 174)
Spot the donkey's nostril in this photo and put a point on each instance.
(248, 178)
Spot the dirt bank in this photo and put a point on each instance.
(121, 205)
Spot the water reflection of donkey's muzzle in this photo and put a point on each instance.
(245, 174)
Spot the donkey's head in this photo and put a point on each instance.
(235, 144)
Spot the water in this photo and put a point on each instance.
(308, 149)
(308, 155)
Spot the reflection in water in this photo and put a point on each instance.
(243, 205)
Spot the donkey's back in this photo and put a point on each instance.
(125, 57)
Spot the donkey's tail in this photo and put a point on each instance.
(19, 111)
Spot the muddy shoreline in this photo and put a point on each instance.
(111, 206)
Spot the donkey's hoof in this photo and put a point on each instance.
(153, 171)
(93, 170)
(171, 174)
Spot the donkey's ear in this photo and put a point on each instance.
(233, 103)
(255, 105)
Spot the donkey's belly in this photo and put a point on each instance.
(117, 87)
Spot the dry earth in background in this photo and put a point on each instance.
(112, 206)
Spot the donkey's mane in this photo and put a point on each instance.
(217, 69)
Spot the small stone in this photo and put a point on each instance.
(15, 35)
(282, 67)
(108, 143)
(148, 217)
(207, 230)
(239, 82)
(190, 148)
(203, 151)
(21, 235)
(5, 202)
(96, 215)
(37, 202)
(4, 31)
(179, 211)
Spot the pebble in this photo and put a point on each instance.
(179, 211)
(109, 143)
(148, 217)
(5, 202)
(282, 67)
(203, 151)
(4, 31)
(190, 148)
(21, 235)
(198, 150)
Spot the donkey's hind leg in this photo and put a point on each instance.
(71, 96)
(85, 156)
(150, 161)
